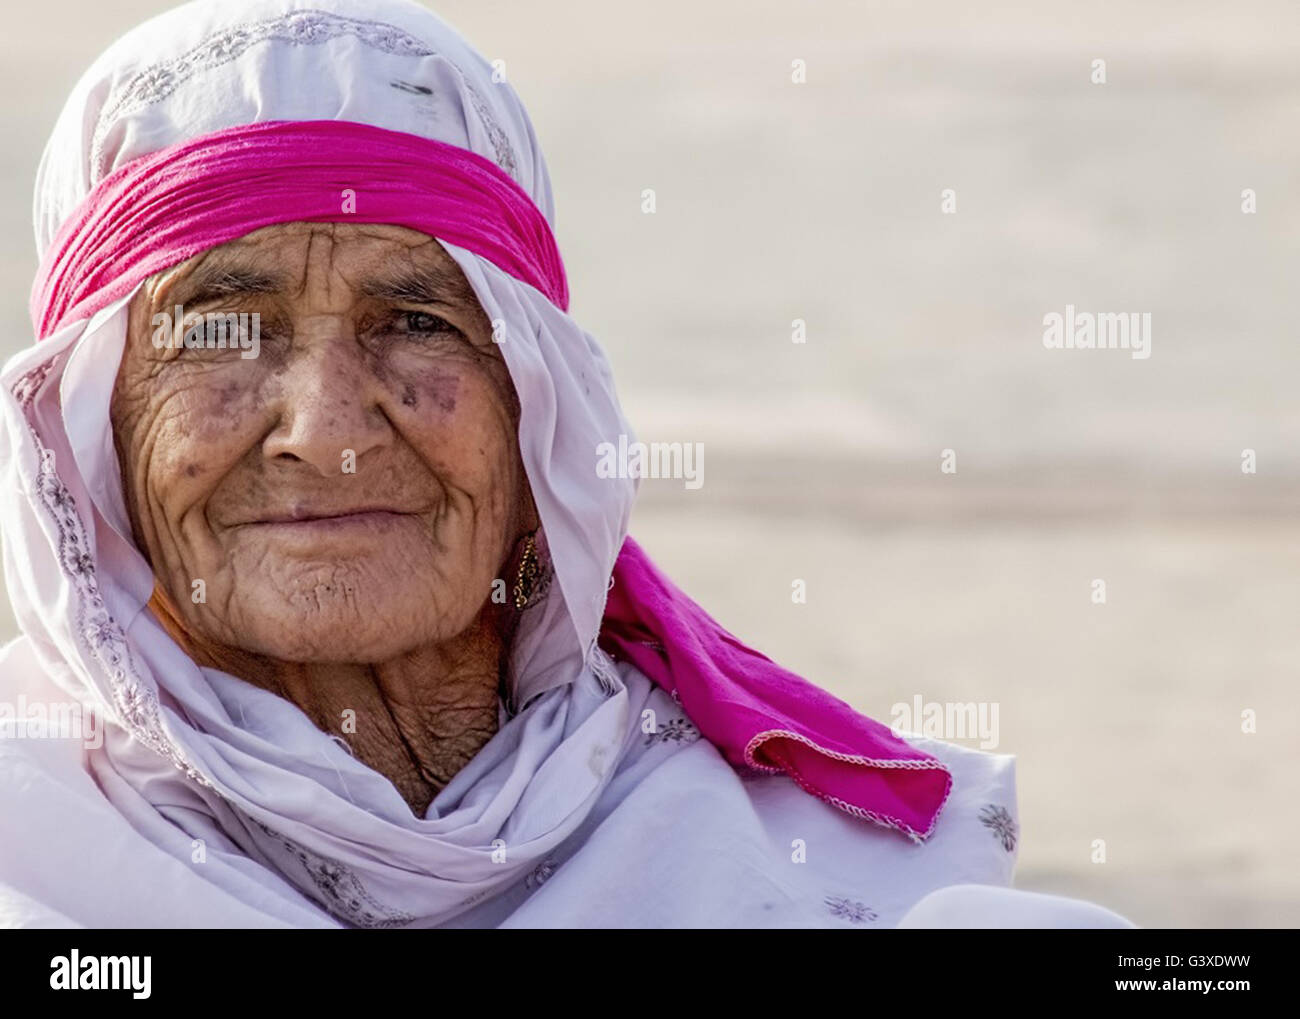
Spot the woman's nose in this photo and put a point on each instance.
(329, 400)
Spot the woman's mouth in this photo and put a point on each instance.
(337, 520)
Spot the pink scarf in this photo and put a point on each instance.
(761, 715)
(166, 207)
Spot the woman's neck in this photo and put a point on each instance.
(417, 719)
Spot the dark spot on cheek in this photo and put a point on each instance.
(193, 471)
(228, 394)
(429, 388)
(442, 390)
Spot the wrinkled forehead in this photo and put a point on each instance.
(217, 64)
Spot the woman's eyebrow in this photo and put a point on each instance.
(209, 282)
(424, 285)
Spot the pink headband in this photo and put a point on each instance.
(161, 209)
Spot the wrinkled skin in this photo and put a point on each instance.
(369, 590)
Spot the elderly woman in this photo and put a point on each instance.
(301, 503)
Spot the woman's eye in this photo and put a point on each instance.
(425, 323)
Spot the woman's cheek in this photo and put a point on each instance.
(477, 444)
(212, 427)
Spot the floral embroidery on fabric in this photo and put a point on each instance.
(679, 730)
(304, 28)
(99, 633)
(850, 910)
(342, 893)
(1001, 823)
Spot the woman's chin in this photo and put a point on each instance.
(318, 642)
(342, 628)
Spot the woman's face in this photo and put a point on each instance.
(351, 492)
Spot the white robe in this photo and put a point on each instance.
(677, 839)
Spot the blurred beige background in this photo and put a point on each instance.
(821, 201)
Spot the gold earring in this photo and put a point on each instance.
(529, 572)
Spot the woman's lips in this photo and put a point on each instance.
(335, 521)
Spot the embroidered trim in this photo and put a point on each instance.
(999, 820)
(309, 27)
(505, 153)
(341, 891)
(886, 820)
(98, 632)
(30, 383)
